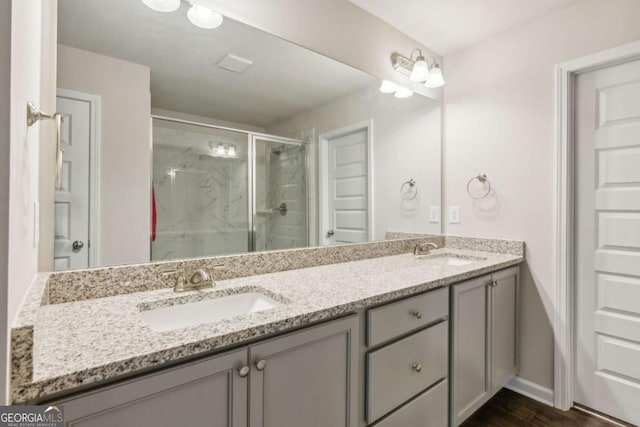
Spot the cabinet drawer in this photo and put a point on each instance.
(391, 320)
(401, 370)
(427, 410)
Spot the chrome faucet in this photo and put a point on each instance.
(424, 248)
(199, 279)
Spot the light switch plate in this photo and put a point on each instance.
(454, 215)
(434, 214)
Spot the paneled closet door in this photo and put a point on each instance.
(607, 246)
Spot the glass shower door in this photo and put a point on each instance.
(200, 191)
(280, 194)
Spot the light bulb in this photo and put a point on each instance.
(163, 5)
(435, 78)
(388, 86)
(420, 70)
(220, 151)
(232, 151)
(204, 17)
(403, 92)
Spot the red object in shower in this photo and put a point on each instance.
(154, 214)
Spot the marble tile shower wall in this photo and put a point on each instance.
(287, 184)
(201, 200)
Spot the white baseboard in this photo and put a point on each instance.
(531, 390)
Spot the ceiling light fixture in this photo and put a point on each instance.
(204, 17)
(163, 5)
(388, 86)
(418, 70)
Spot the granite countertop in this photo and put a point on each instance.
(85, 342)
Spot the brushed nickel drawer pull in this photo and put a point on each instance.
(417, 367)
(417, 314)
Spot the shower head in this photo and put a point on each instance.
(278, 150)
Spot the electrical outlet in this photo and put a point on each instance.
(434, 214)
(454, 215)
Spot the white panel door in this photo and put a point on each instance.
(348, 201)
(71, 249)
(607, 268)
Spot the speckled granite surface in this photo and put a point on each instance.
(110, 281)
(84, 342)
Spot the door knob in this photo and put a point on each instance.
(330, 233)
(77, 245)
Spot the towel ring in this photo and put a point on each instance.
(482, 178)
(412, 184)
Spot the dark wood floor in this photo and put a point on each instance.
(509, 409)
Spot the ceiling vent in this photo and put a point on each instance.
(235, 63)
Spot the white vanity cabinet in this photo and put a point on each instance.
(484, 318)
(305, 378)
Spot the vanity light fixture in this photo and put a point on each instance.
(403, 92)
(200, 15)
(435, 78)
(231, 152)
(204, 17)
(388, 86)
(163, 5)
(418, 70)
(221, 151)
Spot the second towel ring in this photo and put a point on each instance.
(412, 184)
(482, 178)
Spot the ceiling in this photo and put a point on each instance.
(284, 80)
(446, 26)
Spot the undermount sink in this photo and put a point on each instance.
(450, 259)
(187, 314)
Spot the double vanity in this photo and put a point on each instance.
(387, 339)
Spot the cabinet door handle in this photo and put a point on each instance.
(417, 314)
(417, 367)
(261, 364)
(243, 371)
(494, 283)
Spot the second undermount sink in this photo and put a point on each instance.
(451, 259)
(185, 314)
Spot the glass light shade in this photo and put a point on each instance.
(403, 92)
(435, 79)
(204, 17)
(232, 151)
(420, 70)
(388, 86)
(163, 5)
(221, 151)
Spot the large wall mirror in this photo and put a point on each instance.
(185, 142)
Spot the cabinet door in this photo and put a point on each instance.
(207, 393)
(469, 317)
(308, 378)
(504, 327)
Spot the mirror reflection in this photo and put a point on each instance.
(183, 142)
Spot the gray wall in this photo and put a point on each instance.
(5, 80)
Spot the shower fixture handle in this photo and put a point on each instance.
(282, 209)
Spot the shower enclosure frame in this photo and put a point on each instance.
(252, 138)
